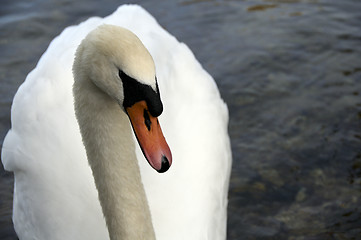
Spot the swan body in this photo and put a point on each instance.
(55, 193)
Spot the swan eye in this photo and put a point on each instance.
(147, 121)
(135, 91)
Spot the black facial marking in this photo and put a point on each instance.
(135, 91)
(147, 121)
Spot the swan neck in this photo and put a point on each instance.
(110, 148)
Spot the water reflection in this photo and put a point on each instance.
(261, 7)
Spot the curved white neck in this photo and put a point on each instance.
(109, 144)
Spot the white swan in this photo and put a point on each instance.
(55, 196)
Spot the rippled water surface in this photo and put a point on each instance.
(290, 72)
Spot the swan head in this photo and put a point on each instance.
(117, 62)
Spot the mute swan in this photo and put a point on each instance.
(55, 195)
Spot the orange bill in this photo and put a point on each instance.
(150, 136)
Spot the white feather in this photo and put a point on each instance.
(55, 196)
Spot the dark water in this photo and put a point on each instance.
(290, 72)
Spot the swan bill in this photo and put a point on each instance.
(150, 137)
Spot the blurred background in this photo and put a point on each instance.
(290, 72)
